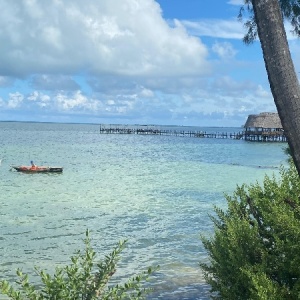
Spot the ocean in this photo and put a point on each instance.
(155, 191)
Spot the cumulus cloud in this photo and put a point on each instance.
(38, 98)
(118, 37)
(76, 101)
(15, 100)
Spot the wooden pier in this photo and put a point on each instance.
(253, 136)
(144, 130)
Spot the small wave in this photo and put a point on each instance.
(54, 236)
(254, 166)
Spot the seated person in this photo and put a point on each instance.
(33, 166)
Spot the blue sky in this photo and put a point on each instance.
(169, 62)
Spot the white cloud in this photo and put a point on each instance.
(117, 37)
(44, 98)
(15, 100)
(75, 102)
(39, 99)
(110, 102)
(146, 93)
(261, 92)
(224, 50)
(226, 29)
(236, 2)
(33, 96)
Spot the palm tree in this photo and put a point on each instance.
(266, 21)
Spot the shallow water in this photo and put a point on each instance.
(155, 191)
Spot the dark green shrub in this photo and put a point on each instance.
(83, 279)
(254, 252)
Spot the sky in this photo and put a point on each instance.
(164, 62)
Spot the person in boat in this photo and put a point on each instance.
(33, 166)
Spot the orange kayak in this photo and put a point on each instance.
(29, 169)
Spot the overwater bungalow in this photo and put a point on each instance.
(264, 127)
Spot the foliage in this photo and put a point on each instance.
(290, 10)
(255, 250)
(288, 153)
(83, 279)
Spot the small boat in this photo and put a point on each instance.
(37, 169)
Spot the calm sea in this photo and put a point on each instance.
(155, 191)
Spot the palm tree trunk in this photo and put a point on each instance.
(280, 69)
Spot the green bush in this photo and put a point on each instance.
(254, 252)
(83, 279)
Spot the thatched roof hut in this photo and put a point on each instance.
(265, 127)
(264, 120)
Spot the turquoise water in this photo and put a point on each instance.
(155, 191)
